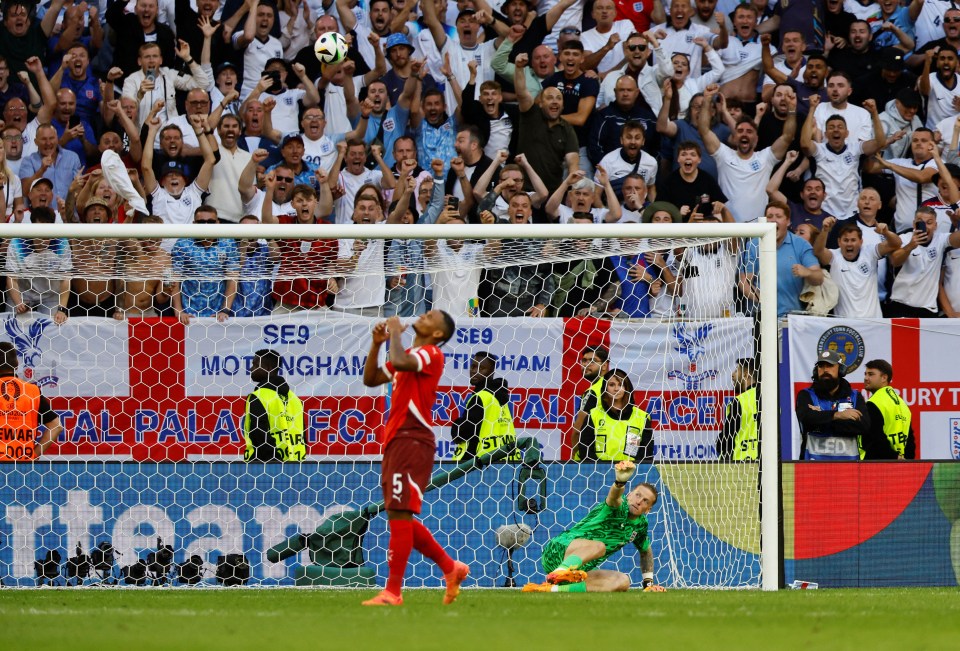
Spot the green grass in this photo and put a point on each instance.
(493, 620)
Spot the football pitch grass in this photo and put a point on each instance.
(492, 620)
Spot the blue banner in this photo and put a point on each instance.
(214, 509)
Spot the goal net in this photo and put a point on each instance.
(595, 342)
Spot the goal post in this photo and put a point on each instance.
(156, 405)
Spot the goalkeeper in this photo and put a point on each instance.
(570, 560)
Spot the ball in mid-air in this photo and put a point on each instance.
(330, 48)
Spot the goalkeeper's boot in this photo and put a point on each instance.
(537, 587)
(563, 575)
(453, 580)
(654, 588)
(385, 598)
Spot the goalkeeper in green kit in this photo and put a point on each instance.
(570, 560)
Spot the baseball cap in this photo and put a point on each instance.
(398, 39)
(831, 357)
(223, 66)
(891, 58)
(466, 12)
(42, 179)
(172, 167)
(290, 137)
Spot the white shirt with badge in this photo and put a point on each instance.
(351, 183)
(321, 153)
(177, 210)
(744, 181)
(857, 282)
(255, 57)
(918, 282)
(594, 41)
(369, 288)
(838, 170)
(285, 116)
(617, 167)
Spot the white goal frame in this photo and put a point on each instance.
(765, 231)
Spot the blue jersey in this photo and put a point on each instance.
(203, 269)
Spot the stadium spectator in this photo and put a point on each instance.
(208, 270)
(791, 58)
(92, 289)
(579, 194)
(891, 434)
(28, 409)
(686, 129)
(173, 199)
(637, 49)
(386, 124)
(155, 81)
(859, 57)
(50, 161)
(10, 86)
(681, 35)
(288, 100)
(839, 89)
(686, 85)
(600, 42)
(809, 210)
(900, 120)
(940, 87)
(853, 267)
(146, 291)
(833, 416)
(12, 156)
(588, 285)
(226, 172)
(486, 421)
(74, 132)
(913, 177)
(21, 36)
(744, 172)
(362, 294)
(629, 158)
(74, 74)
(742, 61)
(456, 282)
(796, 263)
(257, 27)
(511, 179)
(140, 29)
(37, 272)
(541, 121)
(608, 123)
(467, 169)
(291, 154)
(689, 186)
(433, 129)
(258, 261)
(884, 81)
(916, 287)
(811, 81)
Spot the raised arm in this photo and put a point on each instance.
(923, 83)
(247, 184)
(769, 69)
(249, 25)
(820, 244)
(345, 12)
(773, 186)
(146, 162)
(879, 140)
(487, 177)
(524, 99)
(782, 144)
(206, 150)
(269, 188)
(807, 144)
(665, 125)
(373, 375)
(556, 11)
(891, 241)
(429, 11)
(539, 187)
(710, 140)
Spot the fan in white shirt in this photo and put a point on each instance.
(839, 89)
(600, 43)
(853, 267)
(173, 200)
(915, 288)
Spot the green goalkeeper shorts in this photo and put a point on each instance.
(555, 551)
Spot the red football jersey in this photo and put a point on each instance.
(414, 392)
(636, 11)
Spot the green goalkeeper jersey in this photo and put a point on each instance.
(613, 527)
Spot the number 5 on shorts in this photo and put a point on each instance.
(397, 483)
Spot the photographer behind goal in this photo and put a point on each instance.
(570, 559)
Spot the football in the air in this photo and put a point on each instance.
(330, 48)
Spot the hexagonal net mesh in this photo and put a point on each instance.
(162, 461)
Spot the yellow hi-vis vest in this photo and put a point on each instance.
(896, 418)
(617, 440)
(597, 389)
(746, 441)
(496, 429)
(285, 417)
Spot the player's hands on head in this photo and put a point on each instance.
(624, 470)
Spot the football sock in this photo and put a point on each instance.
(398, 551)
(424, 542)
(572, 587)
(571, 562)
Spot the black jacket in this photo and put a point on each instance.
(813, 420)
(265, 448)
(466, 428)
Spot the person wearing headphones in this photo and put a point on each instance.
(832, 414)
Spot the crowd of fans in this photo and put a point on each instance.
(837, 119)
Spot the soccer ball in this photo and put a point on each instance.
(330, 48)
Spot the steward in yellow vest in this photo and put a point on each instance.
(616, 429)
(890, 435)
(273, 419)
(486, 422)
(22, 410)
(739, 438)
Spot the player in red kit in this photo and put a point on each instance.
(408, 445)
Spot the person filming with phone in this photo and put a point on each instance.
(155, 82)
(915, 289)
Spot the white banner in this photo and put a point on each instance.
(84, 357)
(324, 355)
(681, 356)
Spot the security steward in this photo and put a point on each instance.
(832, 415)
(594, 364)
(617, 429)
(22, 409)
(486, 422)
(891, 435)
(273, 420)
(739, 438)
